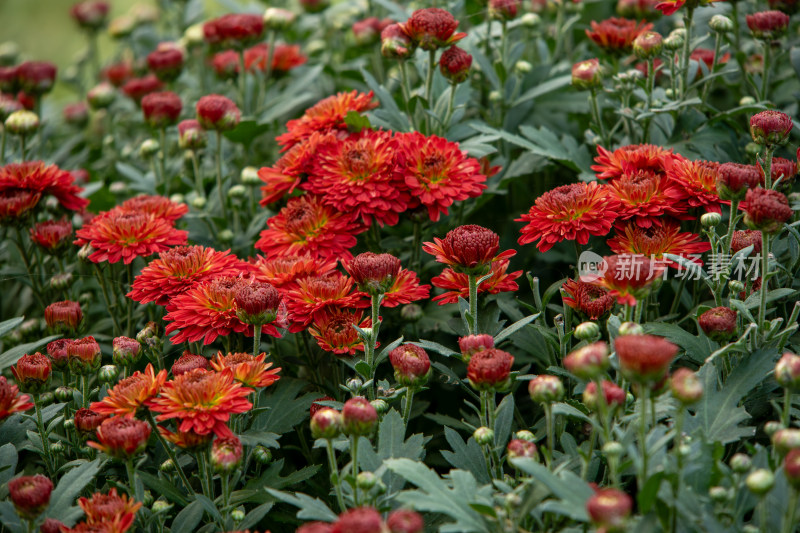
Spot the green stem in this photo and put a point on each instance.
(601, 128)
(170, 452)
(270, 54)
(131, 477)
(219, 176)
(256, 340)
(226, 493)
(473, 304)
(645, 394)
(334, 468)
(48, 459)
(677, 299)
(789, 523)
(429, 87)
(22, 147)
(731, 226)
(406, 93)
(102, 281)
(209, 474)
(687, 23)
(243, 83)
(85, 391)
(676, 488)
(787, 407)
(559, 29)
(551, 446)
(449, 114)
(129, 301)
(762, 307)
(18, 242)
(198, 178)
(201, 467)
(715, 59)
(651, 81)
(765, 75)
(162, 159)
(767, 167)
(354, 465)
(416, 247)
(407, 406)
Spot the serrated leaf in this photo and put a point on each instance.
(466, 456)
(310, 508)
(566, 486)
(8, 459)
(285, 409)
(254, 517)
(697, 348)
(9, 518)
(260, 438)
(754, 300)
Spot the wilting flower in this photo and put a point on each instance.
(586, 298)
(718, 323)
(766, 210)
(36, 177)
(187, 362)
(123, 235)
(250, 371)
(628, 276)
(87, 421)
(161, 109)
(644, 358)
(616, 34)
(405, 289)
(112, 509)
(457, 284)
(121, 437)
(234, 30)
(30, 495)
(179, 269)
(432, 28)
(203, 401)
(52, 235)
(468, 249)
(284, 272)
(63, 316)
(359, 417)
(662, 237)
(32, 373)
(138, 88)
(226, 453)
(313, 295)
(132, 393)
(571, 212)
(609, 508)
(436, 172)
(11, 401)
(325, 116)
(334, 330)
(307, 226)
(411, 365)
(631, 159)
(697, 182)
(489, 369)
(356, 175)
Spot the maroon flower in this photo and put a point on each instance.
(454, 64)
(188, 362)
(770, 127)
(766, 210)
(90, 15)
(234, 30)
(767, 25)
(743, 239)
(32, 373)
(586, 298)
(257, 303)
(57, 351)
(161, 109)
(30, 495)
(84, 355)
(36, 77)
(63, 316)
(489, 369)
(52, 235)
(411, 365)
(471, 344)
(644, 358)
(216, 112)
(468, 249)
(359, 417)
(121, 437)
(374, 273)
(359, 520)
(405, 521)
(432, 28)
(87, 421)
(51, 525)
(521, 448)
(316, 406)
(138, 88)
(166, 62)
(503, 9)
(719, 323)
(734, 180)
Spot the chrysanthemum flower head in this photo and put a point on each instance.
(186, 440)
(334, 330)
(250, 371)
(187, 362)
(111, 508)
(405, 289)
(203, 401)
(32, 372)
(697, 183)
(631, 158)
(16, 204)
(644, 359)
(121, 437)
(51, 235)
(36, 177)
(644, 197)
(87, 421)
(159, 206)
(616, 34)
(766, 210)
(664, 236)
(131, 394)
(432, 28)
(374, 273)
(11, 401)
(457, 284)
(30, 495)
(258, 303)
(468, 249)
(313, 295)
(283, 272)
(628, 276)
(292, 168)
(586, 298)
(569, 212)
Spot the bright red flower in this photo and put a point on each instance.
(628, 276)
(644, 358)
(132, 393)
(307, 226)
(90, 14)
(226, 64)
(63, 316)
(166, 61)
(36, 77)
(571, 212)
(668, 7)
(767, 24)
(36, 177)
(203, 401)
(734, 179)
(356, 175)
(718, 323)
(616, 34)
(766, 210)
(405, 289)
(284, 272)
(138, 88)
(250, 371)
(179, 269)
(373, 273)
(469, 249)
(118, 73)
(87, 421)
(112, 508)
(161, 109)
(489, 369)
(216, 112)
(458, 284)
(314, 295)
(631, 158)
(609, 508)
(11, 401)
(52, 235)
(285, 57)
(121, 437)
(704, 55)
(158, 206)
(325, 116)
(436, 172)
(17, 204)
(186, 440)
(411, 364)
(697, 183)
(32, 372)
(57, 351)
(234, 30)
(662, 237)
(123, 235)
(644, 197)
(333, 329)
(586, 298)
(432, 28)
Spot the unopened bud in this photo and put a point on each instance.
(149, 148)
(718, 494)
(199, 202)
(380, 406)
(587, 331)
(631, 328)
(484, 436)
(262, 455)
(225, 235)
(108, 373)
(366, 480)
(760, 482)
(709, 220)
(57, 447)
(525, 435)
(161, 506)
(747, 100)
(237, 515)
(741, 463)
(63, 394)
(530, 20)
(167, 466)
(249, 176)
(22, 122)
(613, 449)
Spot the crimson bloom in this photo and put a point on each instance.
(586, 298)
(249, 370)
(158, 206)
(616, 34)
(630, 159)
(161, 109)
(468, 249)
(187, 362)
(767, 24)
(234, 30)
(36, 77)
(121, 437)
(138, 88)
(15, 205)
(285, 57)
(216, 112)
(132, 393)
(37, 177)
(644, 358)
(334, 330)
(609, 508)
(644, 197)
(32, 372)
(662, 237)
(166, 62)
(457, 284)
(52, 235)
(571, 212)
(203, 401)
(405, 289)
(11, 401)
(628, 276)
(291, 169)
(436, 172)
(696, 181)
(432, 28)
(374, 273)
(30, 495)
(110, 509)
(489, 368)
(314, 295)
(283, 272)
(766, 210)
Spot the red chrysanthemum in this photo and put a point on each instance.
(335, 332)
(631, 158)
(17, 204)
(203, 401)
(291, 169)
(285, 57)
(706, 56)
(186, 440)
(356, 175)
(284, 272)
(121, 437)
(131, 394)
(313, 295)
(11, 401)
(616, 34)
(697, 183)
(644, 358)
(628, 276)
(432, 28)
(113, 509)
(158, 206)
(124, 235)
(469, 248)
(307, 226)
(36, 177)
(644, 197)
(138, 88)
(325, 116)
(458, 284)
(571, 212)
(249, 370)
(662, 237)
(179, 269)
(586, 298)
(188, 362)
(51, 235)
(436, 172)
(405, 289)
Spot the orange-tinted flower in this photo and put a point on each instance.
(250, 371)
(631, 158)
(131, 394)
(571, 212)
(84, 355)
(156, 205)
(644, 197)
(586, 298)
(356, 175)
(662, 237)
(325, 116)
(668, 7)
(288, 172)
(32, 372)
(15, 204)
(314, 295)
(284, 272)
(432, 28)
(469, 249)
(458, 284)
(124, 235)
(616, 34)
(307, 226)
(334, 330)
(697, 183)
(203, 401)
(179, 269)
(186, 440)
(436, 172)
(36, 177)
(112, 508)
(285, 57)
(405, 289)
(11, 401)
(628, 276)
(121, 437)
(51, 235)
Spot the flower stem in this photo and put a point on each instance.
(651, 81)
(102, 282)
(765, 76)
(645, 395)
(131, 477)
(767, 167)
(198, 178)
(219, 176)
(226, 493)
(731, 226)
(473, 304)
(548, 417)
(762, 307)
(162, 159)
(687, 23)
(714, 61)
(789, 523)
(601, 129)
(48, 459)
(449, 114)
(170, 452)
(429, 87)
(787, 407)
(407, 405)
(256, 340)
(85, 391)
(243, 83)
(129, 301)
(335, 475)
(406, 93)
(354, 465)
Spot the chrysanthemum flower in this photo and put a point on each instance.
(57, 351)
(188, 362)
(186, 440)
(206, 311)
(333, 329)
(36, 177)
(121, 437)
(179, 269)
(284, 272)
(131, 394)
(662, 237)
(111, 508)
(766, 210)
(373, 273)
(405, 289)
(785, 169)
(432, 28)
(87, 421)
(234, 30)
(586, 298)
(630, 158)
(697, 183)
(616, 34)
(314, 295)
(458, 284)
(628, 276)
(307, 226)
(571, 212)
(30, 495)
(436, 172)
(120, 235)
(644, 197)
(250, 371)
(291, 169)
(742, 239)
(285, 57)
(32, 372)
(644, 358)
(356, 175)
(15, 204)
(138, 88)
(11, 401)
(327, 115)
(158, 206)
(469, 249)
(51, 235)
(203, 401)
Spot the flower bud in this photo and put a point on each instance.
(522, 67)
(772, 427)
(64, 394)
(503, 10)
(326, 424)
(380, 406)
(741, 463)
(719, 494)
(262, 455)
(127, 351)
(686, 387)
(787, 371)
(521, 448)
(648, 45)
(411, 365)
(454, 65)
(374, 273)
(766, 210)
(161, 109)
(166, 62)
(644, 359)
(32, 373)
(484, 436)
(149, 148)
(405, 521)
(121, 438)
(613, 396)
(733, 181)
(710, 220)
(760, 482)
(395, 44)
(366, 480)
(613, 449)
(609, 509)
(587, 74)
(191, 136)
(84, 356)
(249, 176)
(22, 122)
(719, 323)
(57, 447)
(471, 344)
(767, 25)
(546, 389)
(432, 28)
(257, 303)
(226, 454)
(30, 495)
(167, 466)
(225, 235)
(108, 373)
(589, 361)
(216, 112)
(490, 369)
(720, 24)
(199, 202)
(359, 417)
(276, 18)
(674, 41)
(161, 506)
(355, 384)
(64, 316)
(525, 435)
(735, 286)
(411, 312)
(791, 468)
(237, 191)
(786, 439)
(61, 280)
(631, 328)
(770, 128)
(586, 331)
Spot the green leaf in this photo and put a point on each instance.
(356, 122)
(260, 438)
(10, 357)
(697, 348)
(254, 517)
(163, 488)
(209, 506)
(553, 84)
(755, 299)
(310, 508)
(436, 347)
(647, 496)
(8, 460)
(69, 487)
(188, 519)
(566, 486)
(513, 328)
(9, 518)
(466, 456)
(246, 132)
(504, 417)
(285, 409)
(11, 323)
